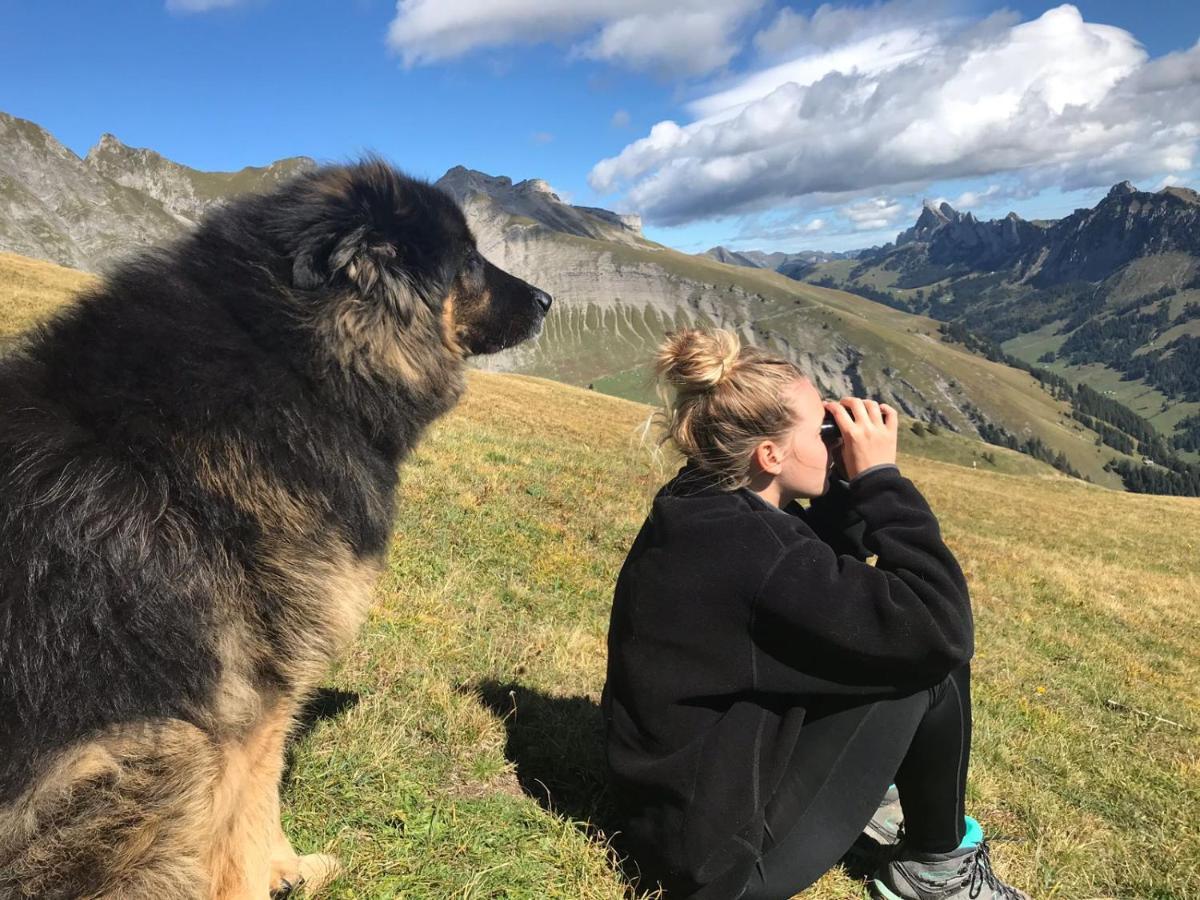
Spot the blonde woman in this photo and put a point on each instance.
(766, 685)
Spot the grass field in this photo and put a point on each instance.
(30, 290)
(466, 762)
(455, 752)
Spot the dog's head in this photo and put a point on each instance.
(386, 264)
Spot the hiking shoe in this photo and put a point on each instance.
(887, 824)
(962, 874)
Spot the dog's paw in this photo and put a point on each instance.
(311, 872)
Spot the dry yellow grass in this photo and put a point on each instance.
(465, 760)
(30, 290)
(480, 671)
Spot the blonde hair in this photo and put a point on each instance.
(727, 400)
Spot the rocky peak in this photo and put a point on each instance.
(944, 209)
(88, 212)
(1187, 195)
(58, 207)
(1124, 189)
(110, 145)
(16, 132)
(1090, 244)
(535, 186)
(485, 197)
(184, 192)
(461, 181)
(933, 216)
(953, 238)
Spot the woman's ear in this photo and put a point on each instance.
(768, 456)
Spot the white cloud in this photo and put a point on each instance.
(784, 34)
(871, 55)
(873, 214)
(1057, 101)
(833, 26)
(972, 199)
(199, 6)
(542, 137)
(620, 119)
(839, 225)
(688, 37)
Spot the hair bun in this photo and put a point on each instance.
(692, 360)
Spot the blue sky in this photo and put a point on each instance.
(743, 122)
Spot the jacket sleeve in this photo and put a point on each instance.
(837, 521)
(830, 623)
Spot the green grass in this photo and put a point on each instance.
(946, 446)
(1161, 411)
(470, 765)
(459, 756)
(584, 345)
(635, 384)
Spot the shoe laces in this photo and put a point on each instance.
(979, 867)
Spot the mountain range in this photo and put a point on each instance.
(617, 293)
(85, 212)
(1107, 296)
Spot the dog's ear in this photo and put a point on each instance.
(370, 264)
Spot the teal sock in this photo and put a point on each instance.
(974, 834)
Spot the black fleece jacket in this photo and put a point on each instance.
(731, 618)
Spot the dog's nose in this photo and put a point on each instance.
(544, 300)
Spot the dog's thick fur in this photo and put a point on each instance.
(197, 470)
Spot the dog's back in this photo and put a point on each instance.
(109, 603)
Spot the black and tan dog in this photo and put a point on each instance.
(197, 473)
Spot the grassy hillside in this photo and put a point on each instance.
(609, 348)
(465, 759)
(30, 290)
(1139, 280)
(1148, 402)
(455, 751)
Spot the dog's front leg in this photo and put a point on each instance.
(249, 844)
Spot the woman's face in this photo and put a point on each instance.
(805, 461)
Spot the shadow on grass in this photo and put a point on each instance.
(557, 747)
(326, 703)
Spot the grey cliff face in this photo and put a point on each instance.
(1089, 245)
(85, 213)
(616, 299)
(184, 192)
(534, 200)
(617, 294)
(54, 206)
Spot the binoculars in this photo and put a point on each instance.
(830, 433)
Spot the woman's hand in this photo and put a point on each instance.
(869, 433)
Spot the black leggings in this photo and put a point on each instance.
(922, 742)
